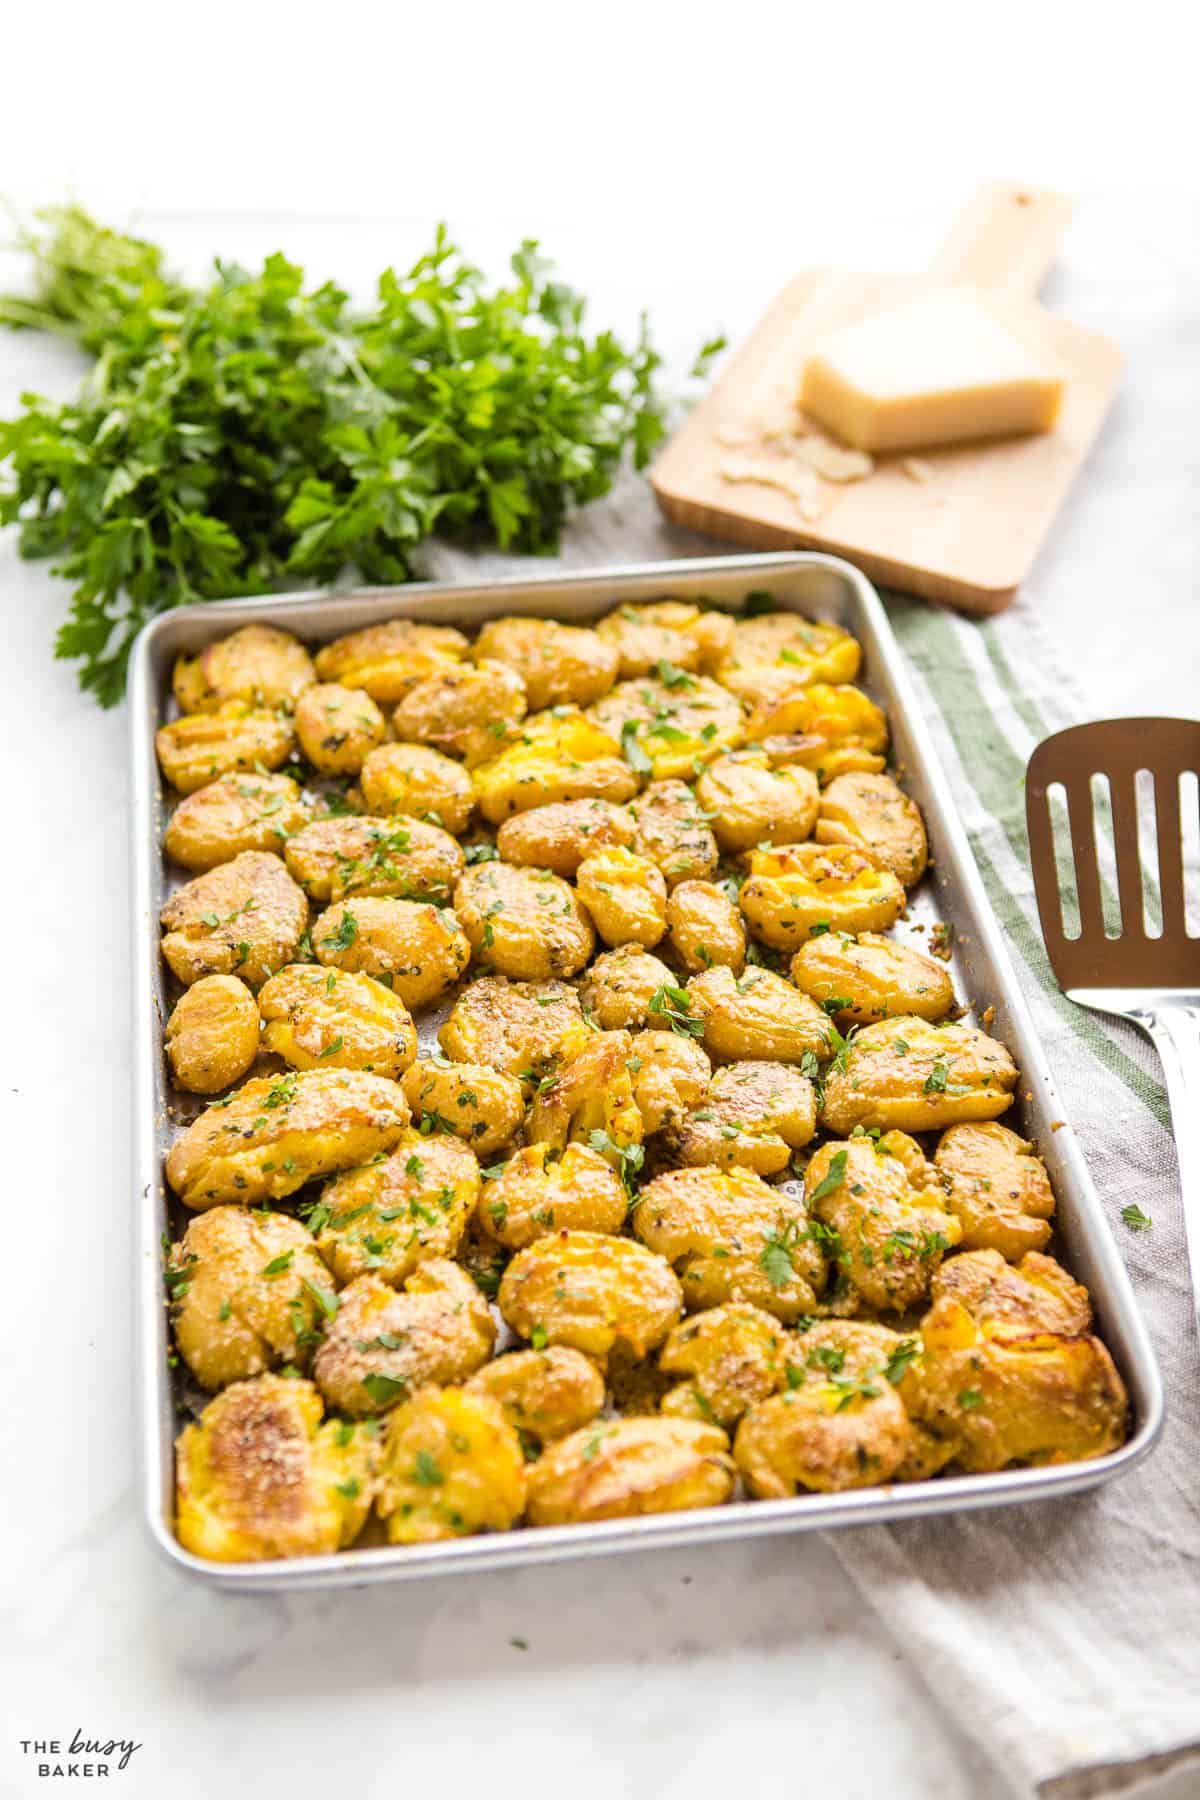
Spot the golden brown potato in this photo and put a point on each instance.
(400, 859)
(772, 654)
(249, 1293)
(673, 832)
(706, 928)
(890, 1226)
(259, 663)
(396, 1213)
(670, 1074)
(386, 660)
(590, 1291)
(625, 895)
(452, 1465)
(676, 726)
(758, 1017)
(204, 746)
(873, 814)
(731, 1237)
(466, 710)
(331, 1019)
(1037, 1295)
(829, 730)
(422, 783)
(735, 1356)
(417, 949)
(622, 1468)
(544, 1393)
(338, 727)
(751, 803)
(559, 756)
(275, 1133)
(244, 918)
(560, 835)
(238, 812)
(674, 632)
(534, 1197)
(212, 1034)
(620, 985)
(480, 1105)
(801, 888)
(559, 664)
(912, 1076)
(526, 923)
(517, 1027)
(997, 1189)
(871, 978)
(260, 1476)
(753, 1115)
(589, 1099)
(383, 1345)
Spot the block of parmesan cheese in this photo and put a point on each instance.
(951, 365)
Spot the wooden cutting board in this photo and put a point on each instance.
(960, 525)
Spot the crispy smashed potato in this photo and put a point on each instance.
(517, 1027)
(387, 660)
(625, 895)
(706, 928)
(275, 1133)
(773, 654)
(260, 1476)
(237, 737)
(545, 1394)
(560, 835)
(731, 1237)
(417, 949)
(752, 803)
(1036, 1295)
(830, 730)
(619, 1469)
(670, 1075)
(797, 889)
(757, 1017)
(422, 783)
(590, 1099)
(872, 813)
(451, 1465)
(524, 923)
(673, 832)
(384, 1346)
(678, 725)
(997, 1189)
(735, 1356)
(248, 1292)
(338, 727)
(560, 755)
(480, 1105)
(234, 813)
(666, 631)
(401, 859)
(908, 1075)
(259, 663)
(534, 1197)
(212, 1034)
(559, 664)
(887, 1215)
(396, 1213)
(332, 1019)
(590, 1291)
(620, 985)
(468, 710)
(752, 1116)
(242, 918)
(868, 978)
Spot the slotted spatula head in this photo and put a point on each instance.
(1132, 933)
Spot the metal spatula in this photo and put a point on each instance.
(1129, 787)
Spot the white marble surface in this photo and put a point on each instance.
(751, 1669)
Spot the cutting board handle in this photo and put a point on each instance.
(1006, 238)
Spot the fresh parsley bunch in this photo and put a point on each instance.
(257, 433)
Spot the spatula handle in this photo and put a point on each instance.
(1174, 1026)
(1007, 237)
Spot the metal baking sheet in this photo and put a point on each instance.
(822, 587)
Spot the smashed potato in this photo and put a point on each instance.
(237, 736)
(401, 859)
(560, 755)
(234, 813)
(625, 895)
(260, 1476)
(590, 1099)
(332, 1019)
(677, 725)
(212, 1034)
(417, 949)
(590, 1291)
(422, 783)
(525, 923)
(475, 1103)
(731, 1237)
(468, 710)
(752, 803)
(559, 836)
(735, 1356)
(384, 1345)
(753, 1115)
(275, 1133)
(868, 978)
(706, 928)
(670, 1075)
(399, 1212)
(890, 1227)
(544, 1394)
(673, 831)
(830, 730)
(912, 1076)
(666, 631)
(997, 1189)
(258, 663)
(248, 1292)
(797, 889)
(873, 814)
(1036, 1295)
(627, 1467)
(243, 918)
(559, 664)
(534, 1197)
(776, 652)
(620, 985)
(338, 727)
(757, 1017)
(387, 660)
(451, 1465)
(517, 1027)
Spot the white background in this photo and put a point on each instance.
(689, 159)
